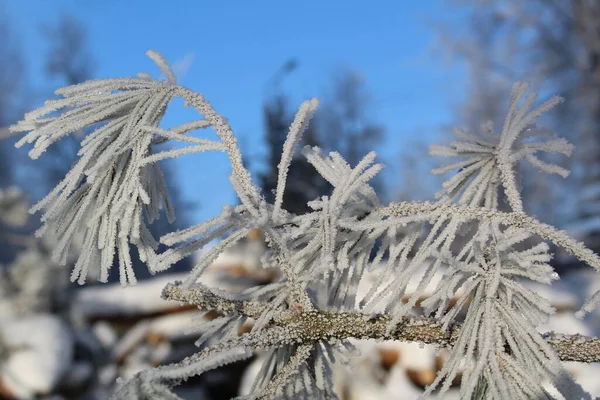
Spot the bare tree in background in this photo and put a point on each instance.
(68, 61)
(11, 78)
(344, 119)
(342, 124)
(551, 41)
(304, 182)
(11, 85)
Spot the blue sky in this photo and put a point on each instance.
(229, 51)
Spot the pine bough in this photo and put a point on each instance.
(305, 320)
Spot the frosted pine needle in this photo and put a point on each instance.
(303, 320)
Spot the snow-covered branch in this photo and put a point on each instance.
(313, 326)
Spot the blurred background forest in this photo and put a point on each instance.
(393, 77)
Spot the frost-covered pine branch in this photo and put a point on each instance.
(323, 325)
(305, 320)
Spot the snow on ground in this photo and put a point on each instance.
(234, 270)
(39, 350)
(114, 300)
